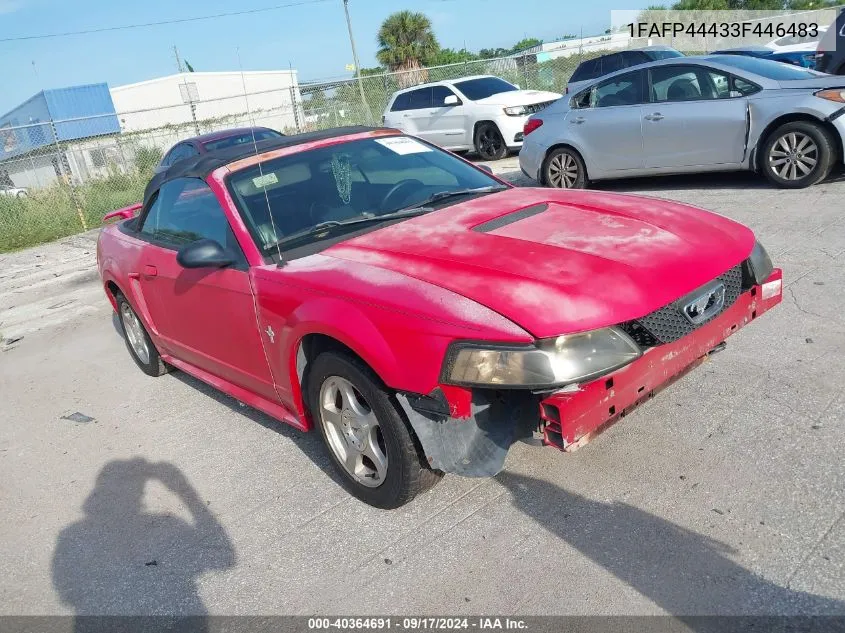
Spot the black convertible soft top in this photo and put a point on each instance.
(203, 164)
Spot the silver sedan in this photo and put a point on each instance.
(692, 114)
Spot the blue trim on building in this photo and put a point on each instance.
(77, 112)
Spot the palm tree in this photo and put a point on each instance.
(407, 43)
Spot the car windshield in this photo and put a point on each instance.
(768, 68)
(475, 89)
(357, 182)
(240, 139)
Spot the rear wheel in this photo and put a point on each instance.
(564, 169)
(797, 154)
(368, 440)
(138, 342)
(489, 142)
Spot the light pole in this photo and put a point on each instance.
(355, 61)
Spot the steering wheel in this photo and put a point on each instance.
(395, 189)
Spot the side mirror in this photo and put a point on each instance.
(451, 100)
(204, 254)
(486, 168)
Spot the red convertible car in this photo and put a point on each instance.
(419, 312)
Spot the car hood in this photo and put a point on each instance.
(556, 262)
(519, 97)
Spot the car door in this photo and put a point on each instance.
(448, 122)
(694, 118)
(605, 123)
(205, 316)
(417, 119)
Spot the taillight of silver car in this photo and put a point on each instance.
(530, 126)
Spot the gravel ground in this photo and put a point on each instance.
(725, 494)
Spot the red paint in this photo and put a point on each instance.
(572, 417)
(592, 259)
(125, 213)
(400, 295)
(530, 126)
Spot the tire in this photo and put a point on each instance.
(489, 143)
(135, 335)
(798, 143)
(403, 473)
(564, 169)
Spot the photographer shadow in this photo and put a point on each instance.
(121, 559)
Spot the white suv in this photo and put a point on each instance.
(483, 113)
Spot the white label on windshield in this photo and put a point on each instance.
(403, 145)
(266, 179)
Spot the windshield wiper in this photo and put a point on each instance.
(328, 226)
(443, 195)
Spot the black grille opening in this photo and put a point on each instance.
(668, 324)
(534, 108)
(639, 334)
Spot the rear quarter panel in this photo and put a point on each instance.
(769, 105)
(117, 255)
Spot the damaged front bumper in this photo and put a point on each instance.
(469, 431)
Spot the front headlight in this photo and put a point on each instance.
(570, 358)
(516, 110)
(835, 94)
(760, 263)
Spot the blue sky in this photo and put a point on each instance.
(312, 38)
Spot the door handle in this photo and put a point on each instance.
(150, 271)
(654, 116)
(578, 119)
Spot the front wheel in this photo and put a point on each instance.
(797, 154)
(489, 142)
(368, 440)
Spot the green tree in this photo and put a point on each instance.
(317, 100)
(406, 41)
(528, 42)
(451, 56)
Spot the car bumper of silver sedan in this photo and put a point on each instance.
(837, 119)
(531, 158)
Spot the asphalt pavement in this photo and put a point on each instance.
(125, 494)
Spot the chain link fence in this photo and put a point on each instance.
(51, 188)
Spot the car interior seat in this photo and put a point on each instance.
(683, 90)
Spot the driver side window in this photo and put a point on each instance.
(186, 210)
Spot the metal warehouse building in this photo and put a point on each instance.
(31, 133)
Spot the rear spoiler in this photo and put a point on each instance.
(125, 213)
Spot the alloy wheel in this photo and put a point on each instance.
(135, 333)
(490, 142)
(793, 156)
(563, 171)
(353, 431)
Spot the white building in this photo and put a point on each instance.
(580, 46)
(214, 100)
